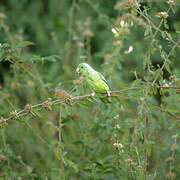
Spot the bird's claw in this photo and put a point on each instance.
(93, 94)
(108, 93)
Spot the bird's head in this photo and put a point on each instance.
(82, 69)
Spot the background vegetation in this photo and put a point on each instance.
(134, 44)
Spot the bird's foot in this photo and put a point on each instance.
(108, 93)
(93, 94)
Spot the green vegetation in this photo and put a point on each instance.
(50, 125)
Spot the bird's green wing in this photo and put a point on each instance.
(102, 77)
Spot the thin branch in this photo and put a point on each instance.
(166, 59)
(60, 146)
(168, 112)
(63, 98)
(47, 104)
(155, 27)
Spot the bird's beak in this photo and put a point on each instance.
(77, 70)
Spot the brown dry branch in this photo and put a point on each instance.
(62, 98)
(47, 104)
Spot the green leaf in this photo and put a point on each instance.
(37, 58)
(23, 44)
(166, 24)
(167, 67)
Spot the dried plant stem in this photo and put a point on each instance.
(60, 146)
(166, 59)
(70, 100)
(156, 28)
(28, 109)
(145, 151)
(168, 112)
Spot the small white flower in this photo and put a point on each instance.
(162, 14)
(166, 85)
(118, 126)
(171, 2)
(126, 24)
(118, 145)
(115, 32)
(122, 23)
(115, 144)
(131, 23)
(129, 50)
(121, 151)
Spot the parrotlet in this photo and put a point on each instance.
(94, 79)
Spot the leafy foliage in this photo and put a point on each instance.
(50, 128)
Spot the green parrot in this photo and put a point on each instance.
(94, 79)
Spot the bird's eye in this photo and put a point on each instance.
(81, 66)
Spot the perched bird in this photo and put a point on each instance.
(94, 79)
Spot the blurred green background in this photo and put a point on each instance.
(133, 44)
